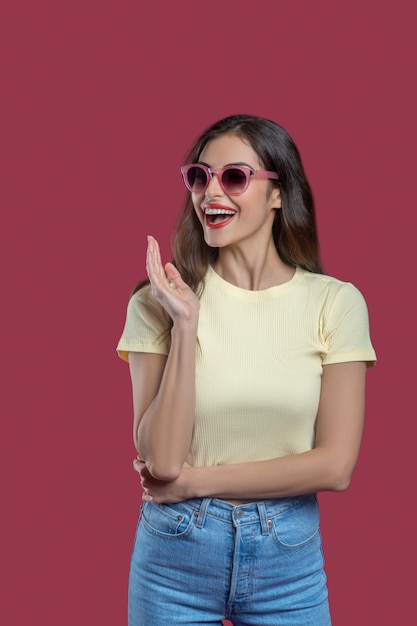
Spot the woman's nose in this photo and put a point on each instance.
(214, 187)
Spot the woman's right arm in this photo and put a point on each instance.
(164, 386)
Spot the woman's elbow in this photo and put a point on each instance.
(341, 485)
(159, 465)
(341, 478)
(163, 471)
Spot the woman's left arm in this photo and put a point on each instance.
(328, 467)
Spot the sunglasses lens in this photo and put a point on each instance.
(234, 180)
(197, 178)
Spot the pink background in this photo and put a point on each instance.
(100, 100)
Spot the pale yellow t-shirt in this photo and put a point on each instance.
(259, 360)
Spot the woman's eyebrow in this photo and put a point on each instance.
(241, 163)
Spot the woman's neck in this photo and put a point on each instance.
(255, 271)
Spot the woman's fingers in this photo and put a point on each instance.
(175, 277)
(160, 281)
(140, 467)
(153, 260)
(137, 465)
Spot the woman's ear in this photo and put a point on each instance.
(276, 198)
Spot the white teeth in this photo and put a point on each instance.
(219, 212)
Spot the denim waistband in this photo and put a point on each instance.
(254, 512)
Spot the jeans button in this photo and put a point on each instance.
(239, 513)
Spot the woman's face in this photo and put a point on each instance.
(248, 216)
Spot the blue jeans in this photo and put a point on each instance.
(203, 560)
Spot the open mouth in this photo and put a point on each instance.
(216, 218)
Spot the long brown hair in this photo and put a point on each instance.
(294, 229)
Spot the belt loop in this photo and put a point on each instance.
(262, 517)
(201, 515)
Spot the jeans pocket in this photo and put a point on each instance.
(299, 525)
(169, 521)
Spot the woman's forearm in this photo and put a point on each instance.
(317, 470)
(163, 435)
(308, 472)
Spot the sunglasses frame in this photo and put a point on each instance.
(210, 171)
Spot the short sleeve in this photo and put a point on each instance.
(146, 327)
(345, 328)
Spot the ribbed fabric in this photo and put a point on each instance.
(259, 360)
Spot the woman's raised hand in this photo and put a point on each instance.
(179, 301)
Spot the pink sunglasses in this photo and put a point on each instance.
(233, 179)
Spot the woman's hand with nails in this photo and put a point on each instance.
(168, 288)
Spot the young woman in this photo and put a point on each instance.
(248, 375)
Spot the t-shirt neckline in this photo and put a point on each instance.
(261, 294)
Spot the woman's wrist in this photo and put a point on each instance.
(184, 328)
(196, 482)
